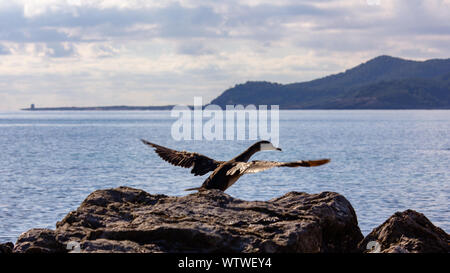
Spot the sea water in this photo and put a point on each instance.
(382, 161)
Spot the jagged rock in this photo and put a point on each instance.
(130, 220)
(408, 232)
(6, 248)
(38, 240)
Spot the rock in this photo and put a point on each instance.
(130, 220)
(6, 248)
(408, 232)
(38, 240)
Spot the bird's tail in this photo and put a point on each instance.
(193, 189)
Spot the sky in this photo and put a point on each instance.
(144, 52)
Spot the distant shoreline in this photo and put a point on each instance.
(101, 108)
(170, 107)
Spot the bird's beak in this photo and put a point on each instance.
(279, 149)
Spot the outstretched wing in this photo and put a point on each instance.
(259, 166)
(201, 164)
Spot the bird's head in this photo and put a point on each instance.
(265, 145)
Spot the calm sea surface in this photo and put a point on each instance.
(382, 162)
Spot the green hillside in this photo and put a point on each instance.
(382, 83)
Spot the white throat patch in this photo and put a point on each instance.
(267, 147)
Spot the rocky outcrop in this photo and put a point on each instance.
(130, 220)
(407, 232)
(39, 240)
(6, 248)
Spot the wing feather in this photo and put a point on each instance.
(259, 165)
(201, 164)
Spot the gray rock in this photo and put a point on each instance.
(408, 232)
(38, 240)
(130, 220)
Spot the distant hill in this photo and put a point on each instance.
(381, 83)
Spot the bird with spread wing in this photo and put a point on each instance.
(226, 173)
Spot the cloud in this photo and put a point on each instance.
(107, 23)
(4, 50)
(194, 48)
(60, 50)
